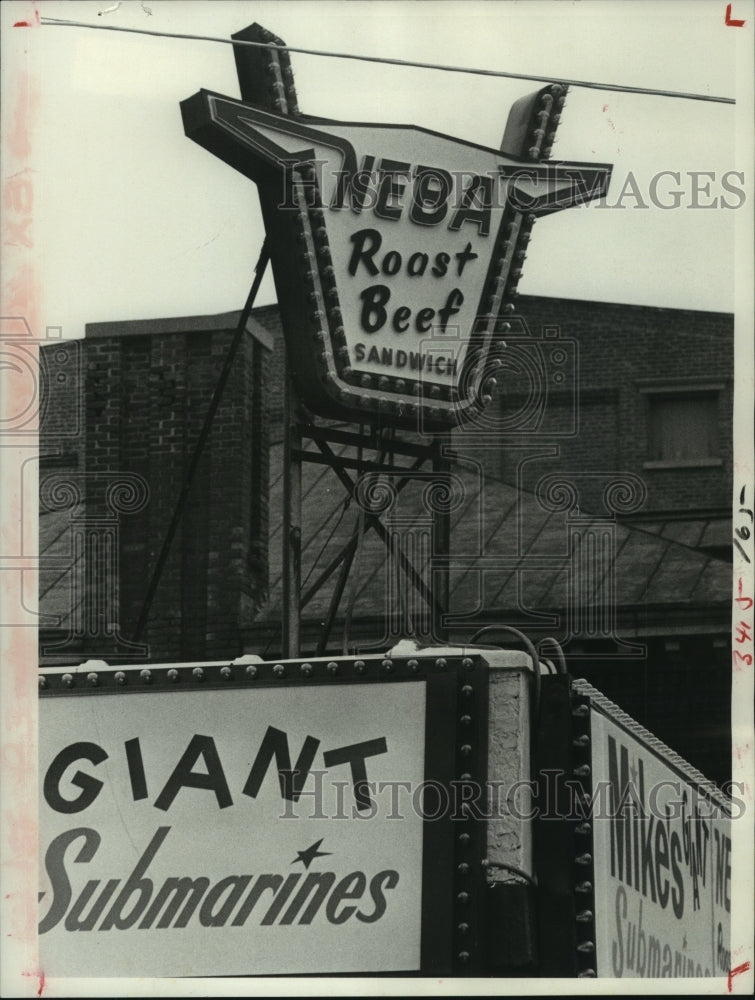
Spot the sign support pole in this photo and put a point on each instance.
(291, 619)
(440, 572)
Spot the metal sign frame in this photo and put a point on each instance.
(455, 750)
(569, 877)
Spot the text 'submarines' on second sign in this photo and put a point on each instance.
(396, 250)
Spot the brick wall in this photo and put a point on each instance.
(623, 350)
(148, 387)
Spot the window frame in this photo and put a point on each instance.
(687, 388)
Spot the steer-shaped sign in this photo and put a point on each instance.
(396, 250)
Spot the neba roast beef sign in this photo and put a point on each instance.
(396, 250)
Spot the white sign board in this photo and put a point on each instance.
(662, 863)
(178, 839)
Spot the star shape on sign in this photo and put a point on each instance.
(308, 856)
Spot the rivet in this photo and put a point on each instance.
(580, 711)
(120, 677)
(581, 741)
(400, 385)
(465, 720)
(413, 665)
(533, 152)
(226, 673)
(462, 928)
(359, 666)
(251, 671)
(198, 674)
(490, 385)
(417, 388)
(42, 682)
(366, 381)
(584, 917)
(583, 828)
(463, 868)
(321, 235)
(146, 676)
(279, 670)
(93, 679)
(583, 887)
(332, 667)
(467, 690)
(306, 669)
(387, 665)
(441, 663)
(67, 680)
(587, 947)
(463, 957)
(509, 307)
(173, 675)
(587, 974)
(334, 315)
(584, 859)
(582, 771)
(465, 776)
(464, 839)
(463, 898)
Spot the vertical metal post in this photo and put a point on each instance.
(291, 541)
(440, 571)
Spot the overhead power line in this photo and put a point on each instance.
(588, 84)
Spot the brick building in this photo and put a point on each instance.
(146, 387)
(597, 486)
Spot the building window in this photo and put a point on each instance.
(682, 428)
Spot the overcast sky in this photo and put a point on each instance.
(133, 220)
